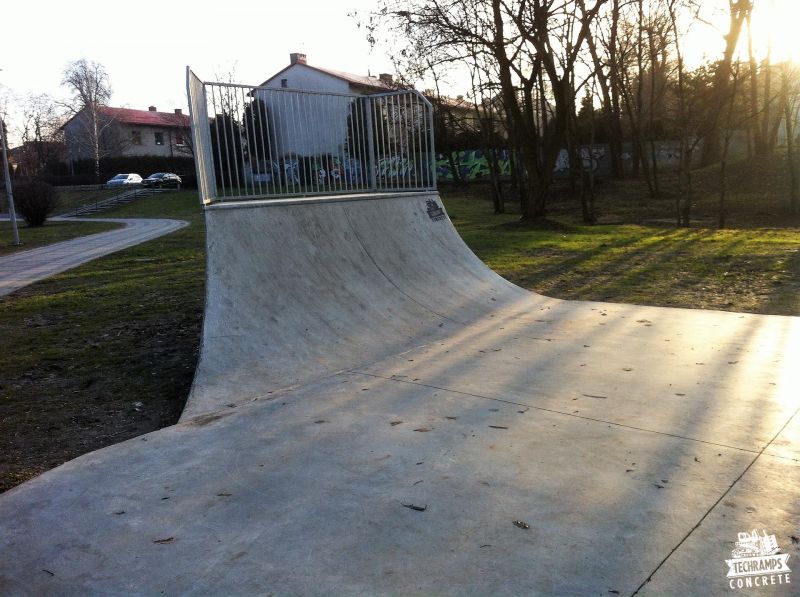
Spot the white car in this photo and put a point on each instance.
(123, 179)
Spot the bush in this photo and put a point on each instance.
(35, 200)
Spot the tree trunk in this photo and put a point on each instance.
(592, 214)
(494, 178)
(616, 110)
(612, 123)
(790, 132)
(739, 9)
(637, 112)
(723, 182)
(651, 120)
(686, 209)
(769, 141)
(451, 161)
(95, 145)
(758, 140)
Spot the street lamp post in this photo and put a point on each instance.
(7, 175)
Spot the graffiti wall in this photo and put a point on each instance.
(329, 169)
(473, 164)
(593, 158)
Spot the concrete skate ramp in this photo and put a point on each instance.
(375, 412)
(299, 289)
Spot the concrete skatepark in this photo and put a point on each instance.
(376, 412)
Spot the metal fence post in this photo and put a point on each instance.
(431, 152)
(373, 162)
(12, 214)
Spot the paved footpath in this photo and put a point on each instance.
(27, 267)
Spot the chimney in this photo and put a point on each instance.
(386, 78)
(152, 109)
(297, 58)
(460, 98)
(178, 111)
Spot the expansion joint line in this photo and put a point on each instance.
(715, 504)
(574, 416)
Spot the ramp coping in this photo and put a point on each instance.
(313, 200)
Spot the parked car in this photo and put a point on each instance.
(162, 179)
(124, 179)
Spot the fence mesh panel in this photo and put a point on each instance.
(260, 142)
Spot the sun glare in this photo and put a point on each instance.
(774, 29)
(774, 32)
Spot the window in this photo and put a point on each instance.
(179, 140)
(136, 137)
(159, 138)
(284, 82)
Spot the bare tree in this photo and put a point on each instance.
(530, 45)
(90, 87)
(603, 49)
(40, 133)
(643, 41)
(689, 139)
(728, 129)
(739, 10)
(789, 100)
(754, 138)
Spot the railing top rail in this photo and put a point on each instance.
(254, 88)
(416, 92)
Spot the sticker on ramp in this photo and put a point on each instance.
(435, 211)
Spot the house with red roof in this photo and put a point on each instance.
(125, 132)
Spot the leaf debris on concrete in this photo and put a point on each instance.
(416, 508)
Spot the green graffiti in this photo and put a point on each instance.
(472, 164)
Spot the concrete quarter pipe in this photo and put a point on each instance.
(376, 412)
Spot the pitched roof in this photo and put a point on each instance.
(145, 117)
(455, 103)
(376, 85)
(140, 117)
(364, 81)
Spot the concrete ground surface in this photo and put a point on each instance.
(28, 266)
(375, 412)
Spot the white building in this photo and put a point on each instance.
(315, 124)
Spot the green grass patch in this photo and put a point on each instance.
(69, 200)
(51, 232)
(753, 270)
(182, 205)
(103, 352)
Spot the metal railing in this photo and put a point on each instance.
(124, 196)
(263, 142)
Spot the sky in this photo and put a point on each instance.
(146, 46)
